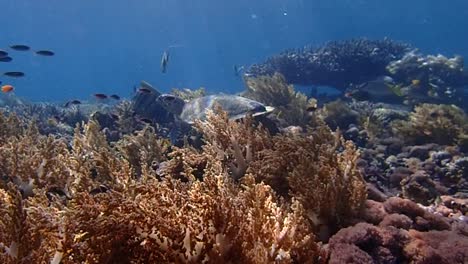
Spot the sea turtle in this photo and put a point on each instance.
(235, 106)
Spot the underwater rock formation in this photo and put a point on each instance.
(337, 64)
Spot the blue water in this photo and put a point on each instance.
(108, 46)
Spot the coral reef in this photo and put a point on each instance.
(293, 165)
(91, 202)
(438, 78)
(337, 63)
(290, 106)
(338, 114)
(345, 181)
(441, 124)
(400, 231)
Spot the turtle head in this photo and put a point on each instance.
(172, 103)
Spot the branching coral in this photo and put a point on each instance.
(10, 126)
(430, 123)
(290, 106)
(100, 213)
(143, 150)
(126, 120)
(10, 223)
(313, 169)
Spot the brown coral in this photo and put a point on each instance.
(99, 212)
(431, 123)
(318, 169)
(290, 106)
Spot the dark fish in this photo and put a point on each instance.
(164, 61)
(359, 95)
(100, 189)
(311, 105)
(100, 96)
(141, 119)
(145, 120)
(14, 74)
(3, 53)
(382, 89)
(20, 47)
(56, 192)
(115, 97)
(144, 90)
(57, 118)
(72, 102)
(5, 59)
(45, 53)
(114, 116)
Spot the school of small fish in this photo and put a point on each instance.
(5, 57)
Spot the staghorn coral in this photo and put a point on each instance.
(101, 213)
(290, 106)
(430, 123)
(310, 168)
(10, 126)
(143, 150)
(10, 223)
(34, 160)
(232, 142)
(313, 170)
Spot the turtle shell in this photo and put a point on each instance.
(235, 106)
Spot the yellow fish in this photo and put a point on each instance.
(416, 82)
(396, 89)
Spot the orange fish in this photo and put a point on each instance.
(7, 88)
